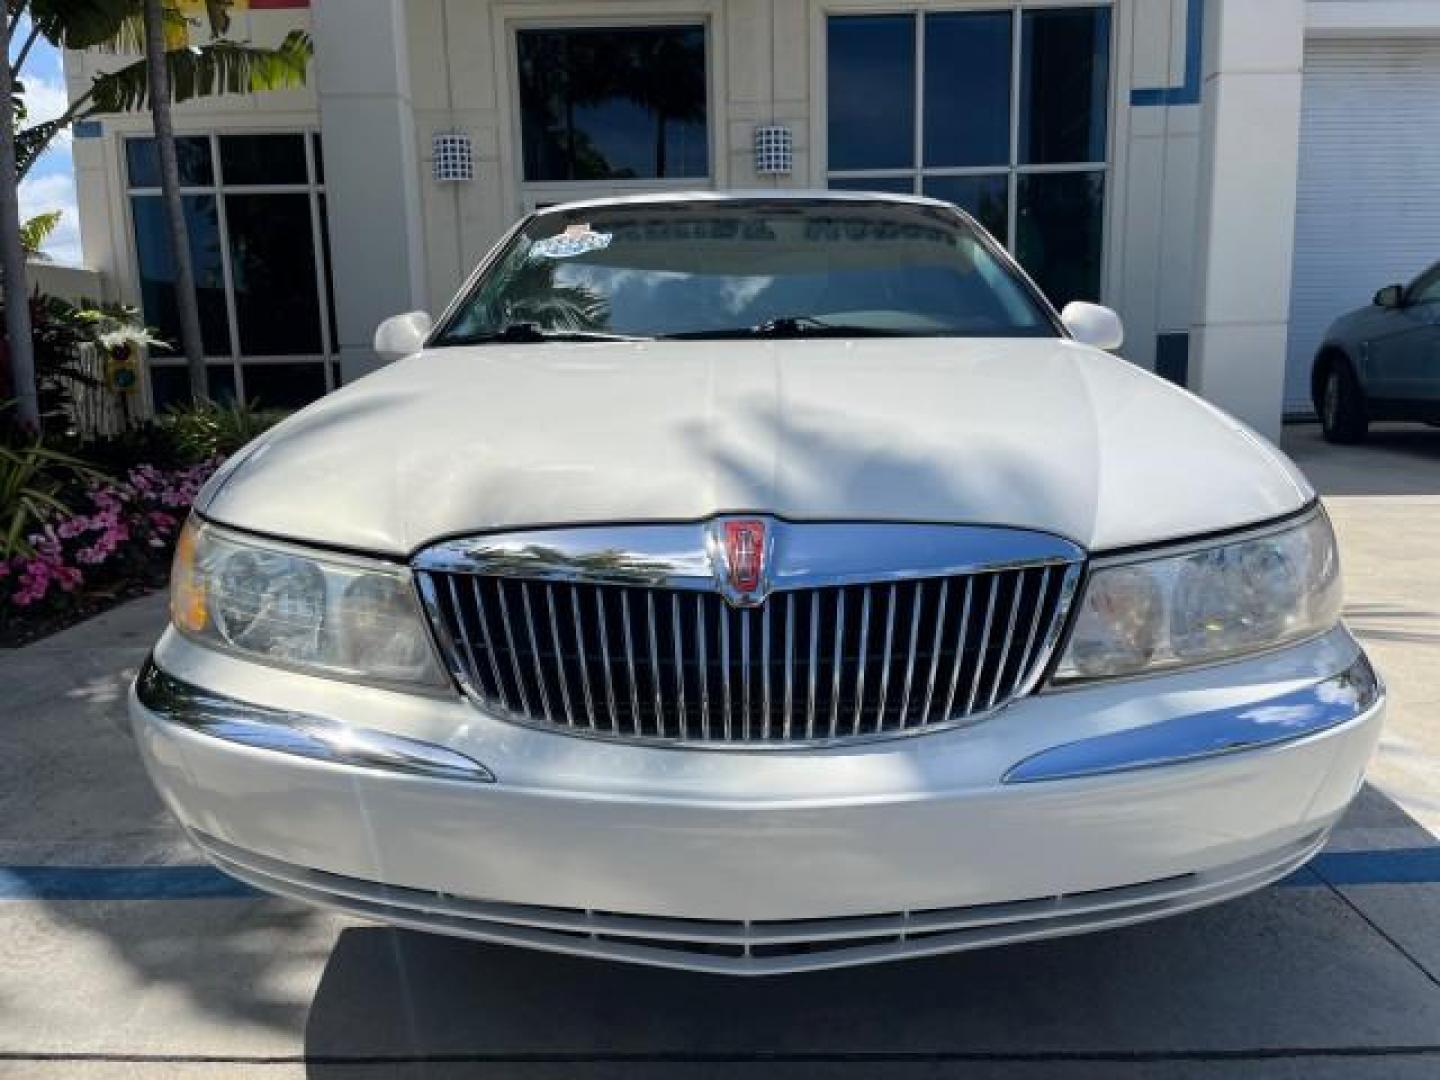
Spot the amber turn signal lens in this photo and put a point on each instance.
(188, 610)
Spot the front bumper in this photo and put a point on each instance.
(1065, 812)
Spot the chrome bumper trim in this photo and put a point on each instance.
(798, 554)
(314, 737)
(1323, 705)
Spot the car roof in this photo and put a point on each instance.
(655, 198)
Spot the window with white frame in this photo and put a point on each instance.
(1002, 110)
(255, 210)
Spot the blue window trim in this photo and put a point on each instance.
(1188, 92)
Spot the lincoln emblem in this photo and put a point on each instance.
(745, 554)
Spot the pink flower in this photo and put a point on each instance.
(112, 520)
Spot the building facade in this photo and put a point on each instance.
(1228, 174)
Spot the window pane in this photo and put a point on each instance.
(612, 103)
(318, 150)
(1061, 220)
(967, 89)
(191, 151)
(262, 159)
(170, 385)
(157, 269)
(272, 256)
(986, 198)
(284, 386)
(890, 185)
(871, 91)
(1426, 288)
(1064, 85)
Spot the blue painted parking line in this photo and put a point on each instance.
(1401, 866)
(118, 883)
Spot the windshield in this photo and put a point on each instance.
(732, 269)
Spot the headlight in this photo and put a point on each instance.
(352, 618)
(1206, 604)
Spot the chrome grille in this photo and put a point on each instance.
(813, 664)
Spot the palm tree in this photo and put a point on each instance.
(75, 24)
(220, 66)
(158, 76)
(12, 251)
(177, 73)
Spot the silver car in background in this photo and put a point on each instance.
(1381, 362)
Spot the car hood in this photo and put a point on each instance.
(1034, 433)
(1352, 323)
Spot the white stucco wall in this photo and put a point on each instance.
(73, 283)
(1153, 225)
(767, 65)
(449, 66)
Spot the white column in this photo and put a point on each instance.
(372, 175)
(1250, 148)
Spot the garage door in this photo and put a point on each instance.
(1368, 213)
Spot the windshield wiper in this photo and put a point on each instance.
(527, 333)
(788, 326)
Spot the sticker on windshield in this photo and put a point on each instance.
(575, 240)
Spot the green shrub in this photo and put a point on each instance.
(142, 442)
(72, 344)
(32, 480)
(203, 432)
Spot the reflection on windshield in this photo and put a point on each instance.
(692, 269)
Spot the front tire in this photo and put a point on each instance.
(1342, 406)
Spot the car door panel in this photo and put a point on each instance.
(1402, 356)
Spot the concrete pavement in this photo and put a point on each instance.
(1384, 499)
(1335, 973)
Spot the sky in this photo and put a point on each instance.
(51, 183)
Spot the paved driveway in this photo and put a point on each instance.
(117, 962)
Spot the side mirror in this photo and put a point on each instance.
(1391, 296)
(402, 335)
(1093, 325)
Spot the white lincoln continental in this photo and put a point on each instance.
(757, 583)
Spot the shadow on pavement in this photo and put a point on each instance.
(1275, 971)
(1415, 625)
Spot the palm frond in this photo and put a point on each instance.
(221, 67)
(35, 231)
(81, 24)
(129, 36)
(33, 141)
